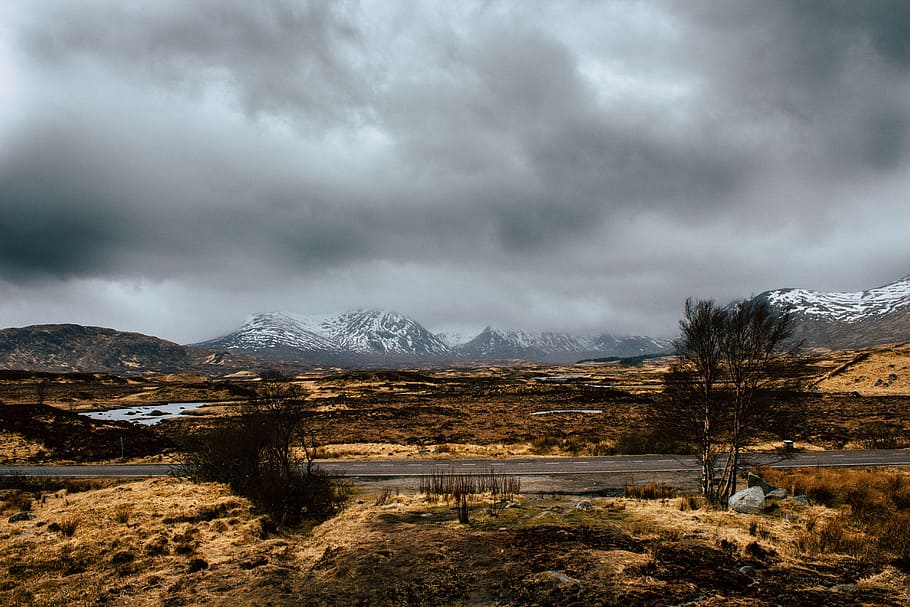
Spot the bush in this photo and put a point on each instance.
(882, 435)
(690, 502)
(254, 454)
(874, 517)
(122, 513)
(233, 456)
(463, 487)
(642, 442)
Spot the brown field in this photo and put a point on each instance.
(843, 400)
(170, 542)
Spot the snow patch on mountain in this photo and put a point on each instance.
(366, 332)
(275, 330)
(843, 307)
(368, 335)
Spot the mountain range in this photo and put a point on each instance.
(376, 336)
(369, 337)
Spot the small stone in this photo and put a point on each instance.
(802, 500)
(584, 505)
(21, 516)
(559, 577)
(755, 480)
(779, 493)
(747, 570)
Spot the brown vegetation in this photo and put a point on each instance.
(187, 544)
(479, 411)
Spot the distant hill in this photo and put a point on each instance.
(75, 348)
(382, 337)
(847, 320)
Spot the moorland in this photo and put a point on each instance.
(169, 541)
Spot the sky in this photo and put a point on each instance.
(172, 167)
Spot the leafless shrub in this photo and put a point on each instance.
(383, 498)
(462, 488)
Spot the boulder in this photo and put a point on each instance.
(748, 501)
(757, 481)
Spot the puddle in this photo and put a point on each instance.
(555, 411)
(145, 414)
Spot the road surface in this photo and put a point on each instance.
(643, 465)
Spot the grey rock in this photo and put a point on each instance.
(748, 501)
(559, 577)
(800, 499)
(584, 505)
(21, 516)
(843, 587)
(747, 570)
(779, 493)
(757, 481)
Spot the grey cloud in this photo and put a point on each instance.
(462, 159)
(291, 58)
(834, 73)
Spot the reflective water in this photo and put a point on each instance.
(145, 414)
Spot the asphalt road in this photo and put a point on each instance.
(654, 466)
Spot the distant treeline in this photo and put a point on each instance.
(625, 361)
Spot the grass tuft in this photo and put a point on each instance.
(68, 525)
(651, 491)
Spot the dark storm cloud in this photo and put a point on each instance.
(835, 72)
(496, 160)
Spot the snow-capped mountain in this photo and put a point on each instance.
(848, 320)
(844, 307)
(497, 344)
(377, 332)
(356, 336)
(373, 336)
(275, 335)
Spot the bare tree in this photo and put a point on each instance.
(725, 359)
(692, 382)
(278, 410)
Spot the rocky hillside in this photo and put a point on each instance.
(848, 320)
(498, 344)
(66, 348)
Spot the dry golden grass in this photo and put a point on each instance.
(18, 449)
(370, 451)
(871, 372)
(168, 542)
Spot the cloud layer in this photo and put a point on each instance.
(171, 167)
